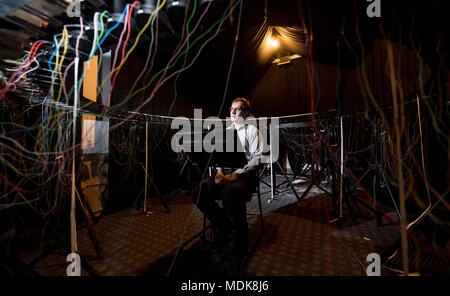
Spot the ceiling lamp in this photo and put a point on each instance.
(286, 60)
(175, 3)
(176, 11)
(274, 42)
(147, 8)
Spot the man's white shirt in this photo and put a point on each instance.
(252, 142)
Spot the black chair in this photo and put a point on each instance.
(208, 238)
(203, 233)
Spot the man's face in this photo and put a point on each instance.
(238, 112)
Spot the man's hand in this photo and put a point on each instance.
(232, 177)
(224, 179)
(220, 178)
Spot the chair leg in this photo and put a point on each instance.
(202, 233)
(260, 210)
(262, 224)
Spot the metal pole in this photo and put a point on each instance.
(73, 222)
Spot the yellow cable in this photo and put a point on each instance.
(56, 63)
(134, 45)
(66, 39)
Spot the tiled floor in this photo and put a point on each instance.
(298, 240)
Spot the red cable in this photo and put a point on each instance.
(124, 45)
(33, 50)
(5, 89)
(15, 187)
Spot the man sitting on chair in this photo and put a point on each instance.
(233, 186)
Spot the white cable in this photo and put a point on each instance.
(342, 169)
(157, 87)
(428, 209)
(73, 225)
(26, 150)
(148, 55)
(198, 53)
(28, 71)
(94, 41)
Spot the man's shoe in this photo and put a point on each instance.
(235, 250)
(240, 251)
(222, 238)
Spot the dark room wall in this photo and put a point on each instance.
(286, 90)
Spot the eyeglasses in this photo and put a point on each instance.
(236, 109)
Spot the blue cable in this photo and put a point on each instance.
(108, 32)
(53, 54)
(101, 41)
(47, 115)
(112, 28)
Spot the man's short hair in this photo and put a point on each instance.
(244, 101)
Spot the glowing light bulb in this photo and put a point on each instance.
(274, 43)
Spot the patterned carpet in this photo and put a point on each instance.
(298, 240)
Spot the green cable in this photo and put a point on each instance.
(171, 66)
(174, 99)
(24, 126)
(103, 27)
(18, 60)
